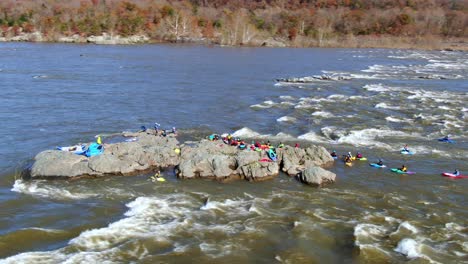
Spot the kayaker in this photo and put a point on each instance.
(403, 168)
(405, 148)
(380, 163)
(156, 176)
(347, 159)
(333, 154)
(456, 172)
(358, 155)
(349, 155)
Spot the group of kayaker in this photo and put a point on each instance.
(348, 158)
(158, 131)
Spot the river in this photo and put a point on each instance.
(62, 94)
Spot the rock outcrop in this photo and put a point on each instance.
(316, 176)
(200, 159)
(126, 158)
(309, 79)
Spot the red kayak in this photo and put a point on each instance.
(451, 175)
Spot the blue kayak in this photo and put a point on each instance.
(272, 154)
(375, 165)
(406, 152)
(446, 140)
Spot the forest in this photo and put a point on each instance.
(297, 23)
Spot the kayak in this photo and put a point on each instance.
(406, 152)
(451, 175)
(375, 165)
(354, 158)
(272, 154)
(349, 164)
(77, 149)
(446, 140)
(402, 172)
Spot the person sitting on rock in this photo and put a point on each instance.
(242, 145)
(143, 129)
(164, 133)
(281, 145)
(297, 145)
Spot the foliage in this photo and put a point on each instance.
(238, 20)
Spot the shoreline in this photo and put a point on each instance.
(353, 42)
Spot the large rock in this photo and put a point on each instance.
(200, 159)
(260, 171)
(295, 160)
(150, 152)
(316, 176)
(214, 159)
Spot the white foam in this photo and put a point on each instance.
(265, 104)
(398, 120)
(367, 137)
(246, 133)
(42, 189)
(286, 97)
(286, 119)
(386, 106)
(406, 225)
(364, 233)
(312, 136)
(323, 114)
(409, 247)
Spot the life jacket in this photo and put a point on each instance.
(94, 149)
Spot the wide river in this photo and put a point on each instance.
(55, 94)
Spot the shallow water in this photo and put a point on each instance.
(55, 94)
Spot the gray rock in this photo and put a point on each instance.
(296, 160)
(126, 158)
(316, 176)
(200, 159)
(260, 171)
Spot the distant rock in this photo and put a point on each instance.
(316, 176)
(106, 39)
(314, 78)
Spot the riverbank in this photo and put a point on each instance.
(390, 42)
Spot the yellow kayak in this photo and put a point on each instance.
(349, 164)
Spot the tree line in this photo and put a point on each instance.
(237, 22)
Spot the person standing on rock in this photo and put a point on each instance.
(156, 128)
(174, 131)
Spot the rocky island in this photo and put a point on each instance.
(147, 153)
